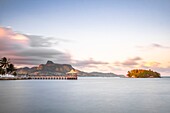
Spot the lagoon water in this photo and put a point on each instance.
(86, 95)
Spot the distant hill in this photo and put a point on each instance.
(99, 74)
(51, 68)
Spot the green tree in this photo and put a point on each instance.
(141, 73)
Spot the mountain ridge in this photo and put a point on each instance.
(51, 68)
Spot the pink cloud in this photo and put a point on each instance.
(153, 46)
(11, 41)
(129, 62)
(27, 50)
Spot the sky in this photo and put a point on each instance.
(91, 35)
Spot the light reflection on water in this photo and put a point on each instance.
(86, 95)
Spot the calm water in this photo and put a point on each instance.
(86, 95)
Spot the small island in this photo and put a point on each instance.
(141, 73)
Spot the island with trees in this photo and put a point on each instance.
(141, 73)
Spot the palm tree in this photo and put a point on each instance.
(4, 64)
(6, 67)
(10, 68)
(0, 70)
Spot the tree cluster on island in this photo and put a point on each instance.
(141, 73)
(6, 67)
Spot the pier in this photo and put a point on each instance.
(65, 77)
(72, 75)
(42, 77)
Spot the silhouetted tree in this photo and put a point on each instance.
(6, 66)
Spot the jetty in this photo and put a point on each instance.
(42, 77)
(72, 75)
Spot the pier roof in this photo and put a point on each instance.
(73, 71)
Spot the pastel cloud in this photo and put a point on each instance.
(91, 65)
(151, 64)
(10, 40)
(42, 41)
(154, 46)
(89, 62)
(137, 62)
(30, 49)
(129, 62)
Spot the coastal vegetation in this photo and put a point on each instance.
(141, 73)
(6, 67)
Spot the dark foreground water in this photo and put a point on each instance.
(86, 95)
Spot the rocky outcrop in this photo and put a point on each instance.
(49, 68)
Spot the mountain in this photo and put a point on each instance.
(51, 68)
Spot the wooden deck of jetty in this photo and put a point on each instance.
(65, 77)
(41, 77)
